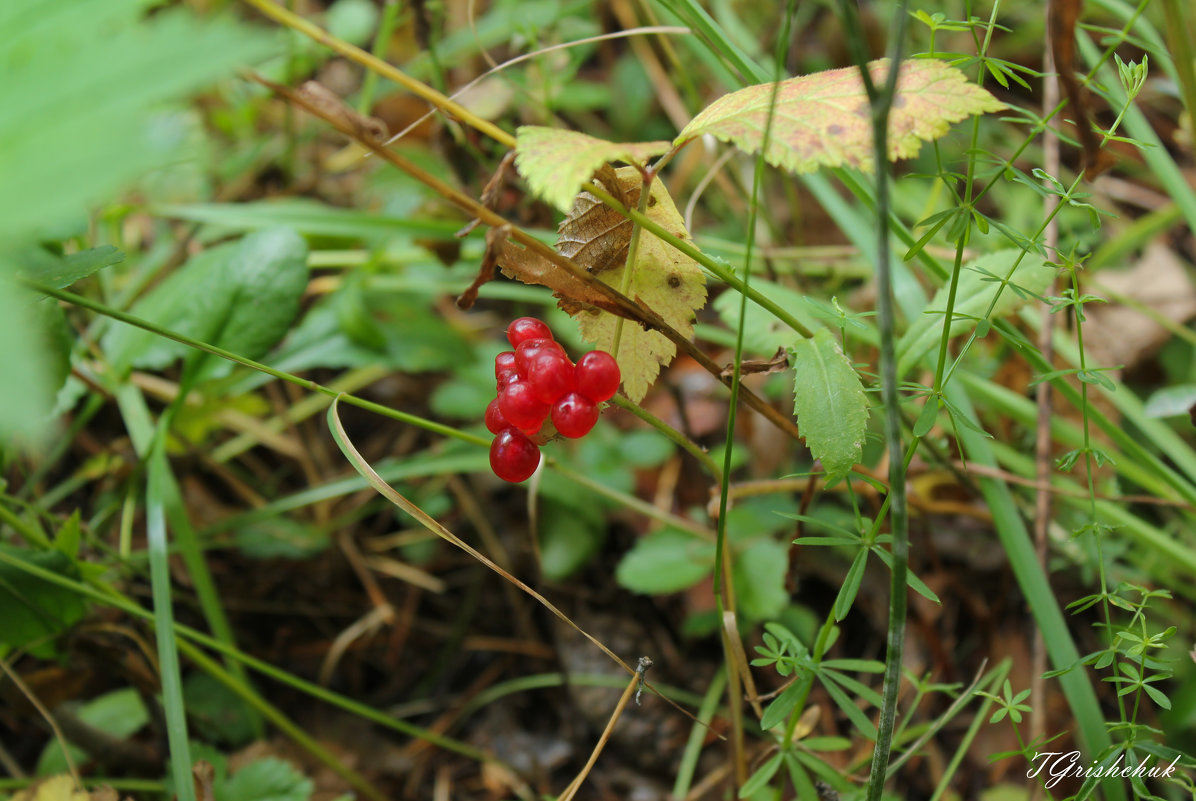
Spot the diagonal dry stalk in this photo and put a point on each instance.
(569, 792)
(427, 521)
(620, 304)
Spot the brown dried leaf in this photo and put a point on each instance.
(663, 280)
(368, 128)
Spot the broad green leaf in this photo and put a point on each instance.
(1171, 401)
(82, 79)
(217, 713)
(35, 609)
(241, 296)
(59, 272)
(973, 297)
(266, 779)
(759, 576)
(556, 162)
(829, 401)
(34, 361)
(663, 279)
(763, 333)
(665, 561)
(119, 714)
(825, 119)
(311, 218)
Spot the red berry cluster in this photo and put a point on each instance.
(537, 381)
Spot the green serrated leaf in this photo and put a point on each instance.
(825, 119)
(556, 162)
(829, 401)
(267, 779)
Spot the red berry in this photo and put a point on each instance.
(495, 422)
(503, 362)
(574, 415)
(513, 457)
(506, 377)
(597, 376)
(526, 328)
(551, 375)
(528, 350)
(519, 404)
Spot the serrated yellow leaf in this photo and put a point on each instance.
(825, 119)
(55, 788)
(663, 279)
(555, 162)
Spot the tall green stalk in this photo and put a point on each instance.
(882, 103)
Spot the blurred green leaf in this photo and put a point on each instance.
(975, 293)
(217, 714)
(60, 272)
(34, 362)
(120, 714)
(241, 296)
(311, 218)
(36, 611)
(81, 80)
(267, 779)
(668, 560)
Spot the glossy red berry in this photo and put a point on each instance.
(495, 421)
(597, 376)
(506, 377)
(574, 415)
(513, 457)
(526, 328)
(503, 362)
(530, 349)
(519, 404)
(551, 375)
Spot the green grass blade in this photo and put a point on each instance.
(163, 615)
(1023, 561)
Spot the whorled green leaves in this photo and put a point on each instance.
(829, 401)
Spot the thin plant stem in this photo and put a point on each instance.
(882, 102)
(633, 252)
(386, 27)
(692, 448)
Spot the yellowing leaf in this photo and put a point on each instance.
(825, 119)
(663, 279)
(557, 162)
(55, 788)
